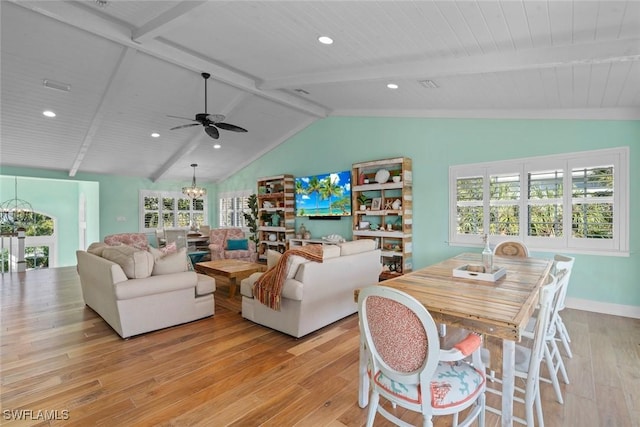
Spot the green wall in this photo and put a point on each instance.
(434, 145)
(108, 198)
(335, 143)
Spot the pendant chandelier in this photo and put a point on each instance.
(15, 213)
(194, 191)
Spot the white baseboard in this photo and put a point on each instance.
(604, 307)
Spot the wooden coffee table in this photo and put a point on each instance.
(231, 269)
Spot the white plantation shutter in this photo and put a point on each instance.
(160, 209)
(232, 207)
(576, 202)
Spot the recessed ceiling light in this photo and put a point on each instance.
(325, 40)
(155, 135)
(392, 86)
(217, 146)
(49, 113)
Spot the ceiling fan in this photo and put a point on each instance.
(210, 121)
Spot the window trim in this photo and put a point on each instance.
(170, 194)
(618, 157)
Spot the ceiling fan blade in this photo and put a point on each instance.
(233, 128)
(183, 118)
(185, 126)
(212, 132)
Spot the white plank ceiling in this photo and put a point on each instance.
(130, 64)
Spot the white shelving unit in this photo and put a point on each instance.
(275, 197)
(391, 228)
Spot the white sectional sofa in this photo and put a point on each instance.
(135, 294)
(317, 294)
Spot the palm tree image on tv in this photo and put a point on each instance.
(324, 195)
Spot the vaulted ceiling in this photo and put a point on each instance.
(120, 68)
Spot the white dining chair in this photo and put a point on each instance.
(528, 361)
(552, 357)
(407, 366)
(563, 262)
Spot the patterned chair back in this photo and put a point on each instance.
(137, 240)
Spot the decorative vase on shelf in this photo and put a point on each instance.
(302, 231)
(275, 219)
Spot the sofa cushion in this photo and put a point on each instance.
(172, 263)
(136, 264)
(330, 251)
(357, 246)
(97, 248)
(237, 244)
(272, 258)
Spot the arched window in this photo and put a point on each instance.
(39, 244)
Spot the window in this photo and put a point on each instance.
(232, 208)
(39, 242)
(170, 209)
(577, 202)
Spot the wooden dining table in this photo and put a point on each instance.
(499, 309)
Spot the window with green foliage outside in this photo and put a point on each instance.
(576, 201)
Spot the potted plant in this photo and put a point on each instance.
(362, 201)
(251, 218)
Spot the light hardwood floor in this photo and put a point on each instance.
(58, 356)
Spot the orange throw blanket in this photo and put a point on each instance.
(268, 288)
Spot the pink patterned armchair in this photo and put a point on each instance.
(229, 243)
(137, 240)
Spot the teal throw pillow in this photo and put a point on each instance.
(242, 244)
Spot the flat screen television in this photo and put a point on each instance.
(325, 195)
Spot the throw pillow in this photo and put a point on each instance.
(136, 264)
(272, 258)
(237, 244)
(293, 263)
(172, 263)
(97, 248)
(169, 248)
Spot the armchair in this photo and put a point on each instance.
(219, 245)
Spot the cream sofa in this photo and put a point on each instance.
(139, 294)
(317, 294)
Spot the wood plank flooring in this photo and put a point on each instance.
(61, 364)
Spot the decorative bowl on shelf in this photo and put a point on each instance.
(382, 176)
(334, 238)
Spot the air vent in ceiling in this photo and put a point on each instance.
(429, 84)
(56, 85)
